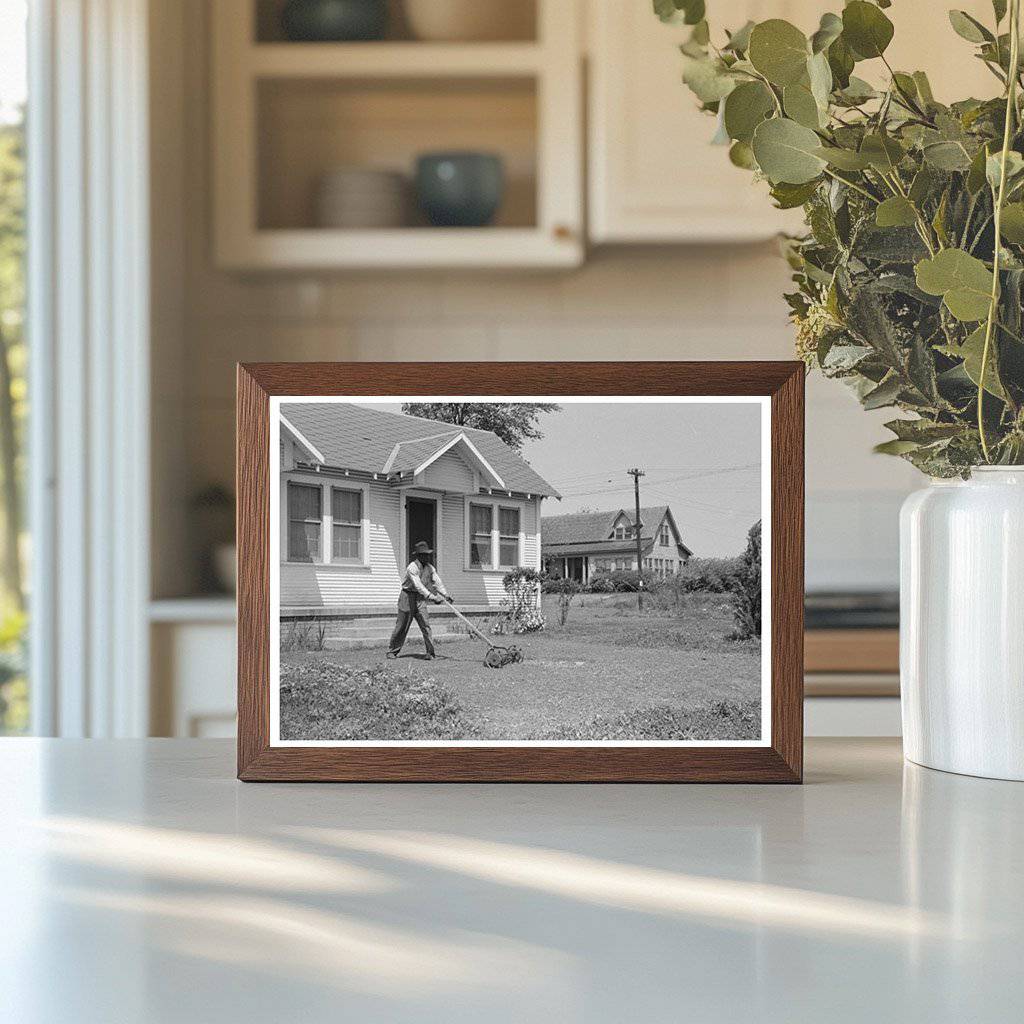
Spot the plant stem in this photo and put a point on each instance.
(853, 185)
(1011, 109)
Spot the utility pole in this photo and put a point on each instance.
(636, 474)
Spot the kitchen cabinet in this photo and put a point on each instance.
(654, 177)
(287, 114)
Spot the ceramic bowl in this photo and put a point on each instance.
(332, 21)
(460, 189)
(470, 20)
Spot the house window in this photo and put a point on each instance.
(346, 525)
(664, 535)
(508, 537)
(305, 522)
(481, 518)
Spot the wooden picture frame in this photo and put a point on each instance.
(780, 757)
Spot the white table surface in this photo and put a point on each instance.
(140, 882)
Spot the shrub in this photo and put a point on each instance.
(622, 581)
(321, 700)
(713, 575)
(519, 611)
(747, 593)
(566, 590)
(715, 720)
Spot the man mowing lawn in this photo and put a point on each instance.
(421, 584)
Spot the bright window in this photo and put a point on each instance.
(305, 522)
(508, 537)
(346, 525)
(481, 522)
(14, 528)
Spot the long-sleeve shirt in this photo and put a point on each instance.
(423, 580)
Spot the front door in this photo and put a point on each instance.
(420, 524)
(575, 569)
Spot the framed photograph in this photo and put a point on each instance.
(560, 572)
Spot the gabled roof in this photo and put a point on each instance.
(364, 440)
(593, 532)
(592, 527)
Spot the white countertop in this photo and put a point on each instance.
(140, 882)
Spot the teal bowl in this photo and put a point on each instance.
(460, 190)
(334, 21)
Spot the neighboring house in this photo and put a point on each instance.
(360, 487)
(582, 545)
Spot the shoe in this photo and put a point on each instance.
(391, 655)
(431, 657)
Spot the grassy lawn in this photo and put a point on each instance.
(609, 669)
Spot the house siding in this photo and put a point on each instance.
(304, 585)
(449, 473)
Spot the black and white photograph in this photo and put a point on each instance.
(523, 571)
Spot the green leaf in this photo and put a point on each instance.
(800, 105)
(924, 88)
(741, 155)
(779, 51)
(707, 78)
(969, 28)
(976, 173)
(971, 351)
(895, 447)
(883, 152)
(1012, 223)
(857, 91)
(895, 212)
(819, 74)
(963, 281)
(829, 30)
(739, 41)
(999, 9)
(922, 431)
(885, 394)
(787, 151)
(841, 63)
(947, 156)
(745, 108)
(922, 185)
(689, 12)
(788, 196)
(993, 167)
(844, 159)
(866, 29)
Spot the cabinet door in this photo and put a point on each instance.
(653, 174)
(654, 177)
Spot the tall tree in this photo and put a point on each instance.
(12, 349)
(514, 422)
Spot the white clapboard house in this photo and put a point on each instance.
(360, 487)
(582, 545)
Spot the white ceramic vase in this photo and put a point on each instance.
(962, 624)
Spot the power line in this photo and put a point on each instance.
(670, 480)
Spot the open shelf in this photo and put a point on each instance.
(388, 60)
(309, 127)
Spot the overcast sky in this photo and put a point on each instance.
(702, 459)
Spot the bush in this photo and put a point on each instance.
(519, 611)
(621, 581)
(711, 575)
(747, 593)
(716, 720)
(321, 700)
(566, 590)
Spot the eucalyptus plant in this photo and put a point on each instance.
(910, 277)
